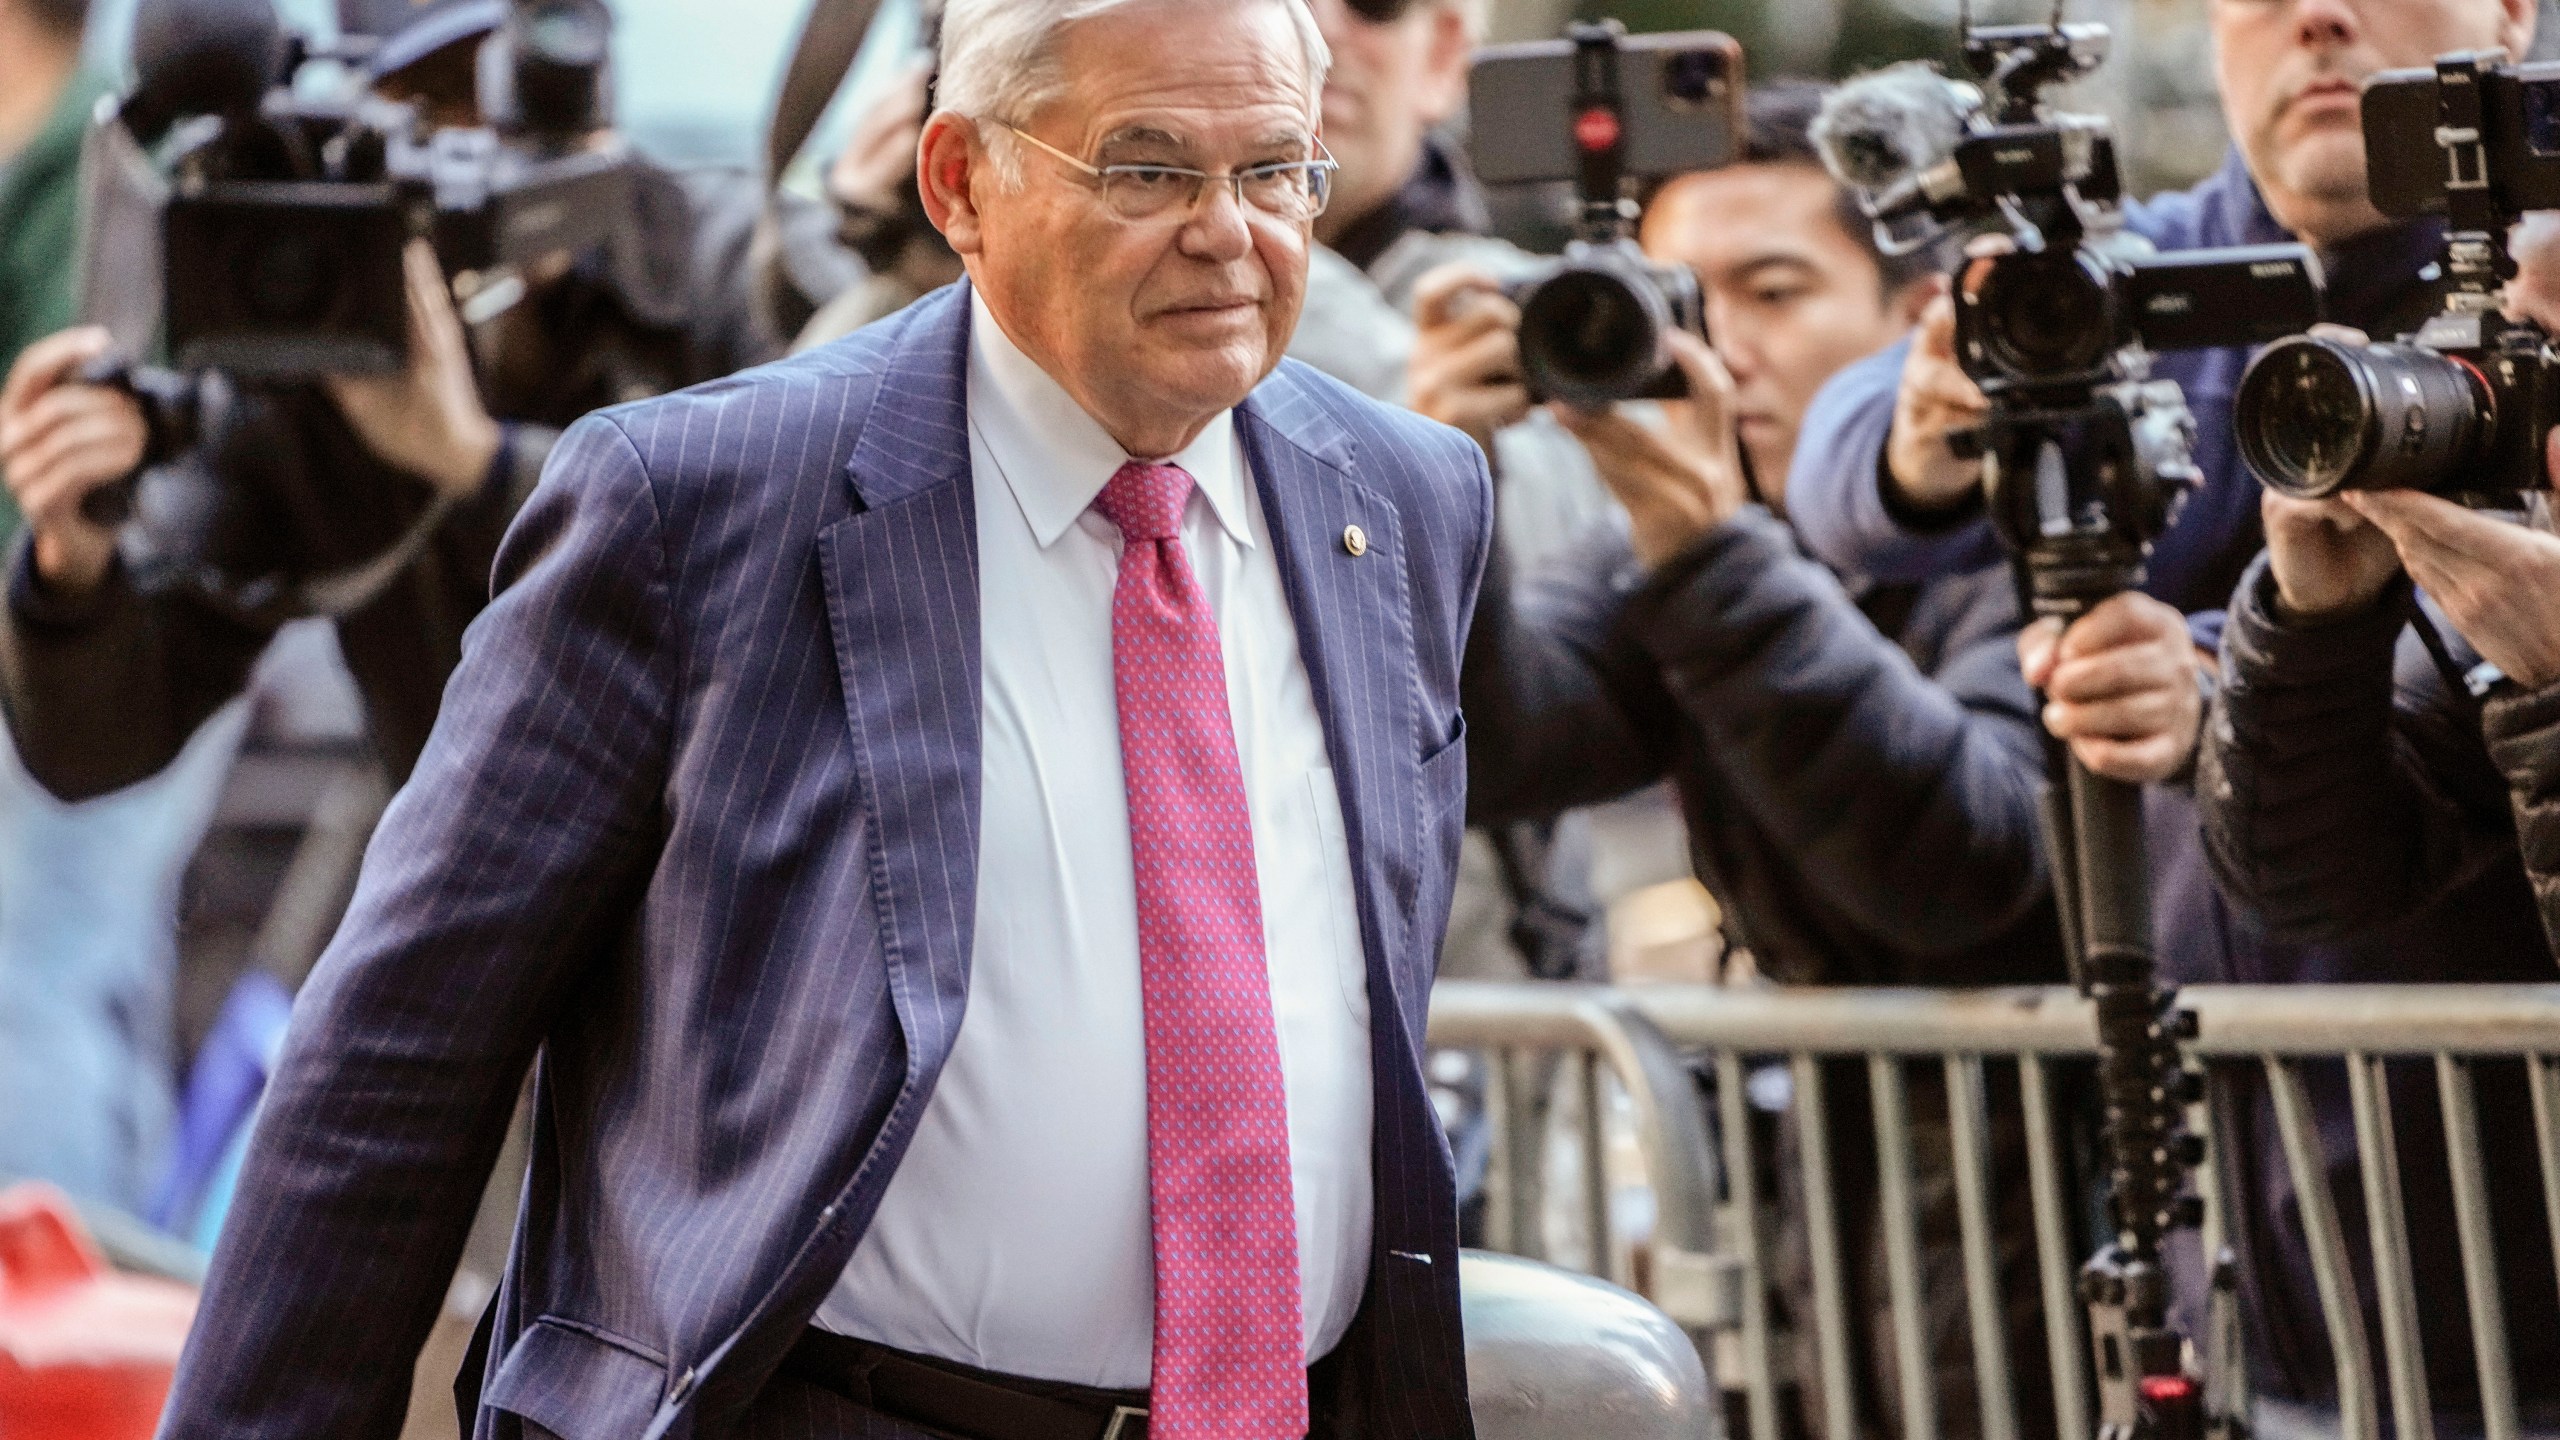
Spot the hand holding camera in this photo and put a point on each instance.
(1465, 369)
(2497, 581)
(427, 419)
(61, 441)
(2119, 686)
(1937, 401)
(1682, 478)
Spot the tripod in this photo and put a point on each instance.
(2076, 490)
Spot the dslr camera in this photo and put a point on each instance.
(2461, 408)
(286, 215)
(1598, 108)
(2086, 456)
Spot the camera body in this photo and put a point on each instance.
(1597, 108)
(2063, 316)
(2463, 407)
(287, 215)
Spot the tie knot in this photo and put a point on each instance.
(1146, 501)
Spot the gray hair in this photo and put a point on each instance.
(1000, 60)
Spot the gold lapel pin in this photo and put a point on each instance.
(1355, 540)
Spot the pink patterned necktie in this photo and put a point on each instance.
(1228, 1344)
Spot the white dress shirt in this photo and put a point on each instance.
(1015, 1236)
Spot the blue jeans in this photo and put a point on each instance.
(88, 962)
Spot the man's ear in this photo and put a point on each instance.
(2516, 26)
(1444, 75)
(950, 160)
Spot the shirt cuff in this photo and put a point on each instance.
(44, 607)
(1922, 522)
(2261, 645)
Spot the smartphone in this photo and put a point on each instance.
(1679, 95)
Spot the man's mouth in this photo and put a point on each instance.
(1224, 305)
(2328, 93)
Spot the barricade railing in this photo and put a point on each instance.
(1711, 1249)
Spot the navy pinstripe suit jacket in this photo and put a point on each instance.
(696, 839)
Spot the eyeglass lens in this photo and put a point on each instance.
(1288, 192)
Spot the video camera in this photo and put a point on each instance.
(2086, 456)
(2463, 407)
(286, 217)
(1598, 108)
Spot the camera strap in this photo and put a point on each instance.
(2472, 683)
(346, 591)
(273, 600)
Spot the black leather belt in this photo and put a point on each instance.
(956, 1399)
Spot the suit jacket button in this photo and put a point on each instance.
(1355, 540)
(683, 1389)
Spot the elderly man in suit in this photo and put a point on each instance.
(958, 825)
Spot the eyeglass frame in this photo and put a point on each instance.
(1100, 175)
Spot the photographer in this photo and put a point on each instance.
(1881, 488)
(2358, 776)
(378, 500)
(1858, 764)
(2465, 777)
(2353, 784)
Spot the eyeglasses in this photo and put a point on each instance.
(1292, 190)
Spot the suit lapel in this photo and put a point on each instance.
(1354, 621)
(902, 603)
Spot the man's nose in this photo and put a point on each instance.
(1218, 228)
(1731, 341)
(2325, 24)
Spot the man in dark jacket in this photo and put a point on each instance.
(1858, 764)
(378, 501)
(1880, 490)
(2355, 783)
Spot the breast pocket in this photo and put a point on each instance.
(1341, 914)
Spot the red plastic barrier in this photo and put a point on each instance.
(85, 1353)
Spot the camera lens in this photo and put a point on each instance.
(1590, 337)
(1691, 78)
(2315, 417)
(2045, 315)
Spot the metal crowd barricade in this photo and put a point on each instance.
(1711, 1260)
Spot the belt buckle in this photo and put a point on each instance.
(1120, 1428)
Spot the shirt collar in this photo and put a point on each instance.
(1055, 458)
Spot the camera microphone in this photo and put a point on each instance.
(200, 57)
(1883, 132)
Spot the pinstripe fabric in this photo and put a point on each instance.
(696, 839)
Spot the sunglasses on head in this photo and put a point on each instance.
(1380, 12)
